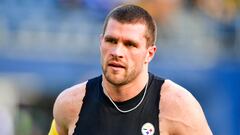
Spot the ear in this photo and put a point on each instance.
(150, 53)
(100, 38)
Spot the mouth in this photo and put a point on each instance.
(116, 65)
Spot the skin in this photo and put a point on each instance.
(125, 56)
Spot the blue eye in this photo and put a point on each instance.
(111, 40)
(130, 44)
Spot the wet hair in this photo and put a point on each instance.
(134, 14)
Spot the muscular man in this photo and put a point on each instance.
(127, 99)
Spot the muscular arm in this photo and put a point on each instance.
(181, 114)
(67, 107)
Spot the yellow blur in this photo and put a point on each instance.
(53, 130)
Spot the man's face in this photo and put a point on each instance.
(124, 51)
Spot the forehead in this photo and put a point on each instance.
(134, 31)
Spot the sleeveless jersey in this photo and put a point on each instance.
(98, 116)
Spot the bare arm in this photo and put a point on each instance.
(67, 107)
(181, 114)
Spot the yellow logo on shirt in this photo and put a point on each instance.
(148, 129)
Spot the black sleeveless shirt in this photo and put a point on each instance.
(98, 116)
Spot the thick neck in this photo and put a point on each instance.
(127, 91)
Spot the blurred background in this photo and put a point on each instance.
(47, 46)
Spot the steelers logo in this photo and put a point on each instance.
(148, 129)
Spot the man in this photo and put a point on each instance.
(126, 99)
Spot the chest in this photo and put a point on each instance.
(97, 118)
(98, 115)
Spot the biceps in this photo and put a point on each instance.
(60, 129)
(186, 129)
(173, 126)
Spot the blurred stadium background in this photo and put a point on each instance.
(47, 46)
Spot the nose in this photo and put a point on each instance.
(117, 51)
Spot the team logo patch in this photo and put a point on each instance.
(148, 129)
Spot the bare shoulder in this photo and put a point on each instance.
(67, 107)
(180, 111)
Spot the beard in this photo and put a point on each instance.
(124, 76)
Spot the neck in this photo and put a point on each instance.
(125, 92)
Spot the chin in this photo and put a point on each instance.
(115, 79)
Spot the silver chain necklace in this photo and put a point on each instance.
(126, 111)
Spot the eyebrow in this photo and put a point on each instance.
(109, 37)
(125, 40)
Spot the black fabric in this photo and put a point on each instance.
(98, 116)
